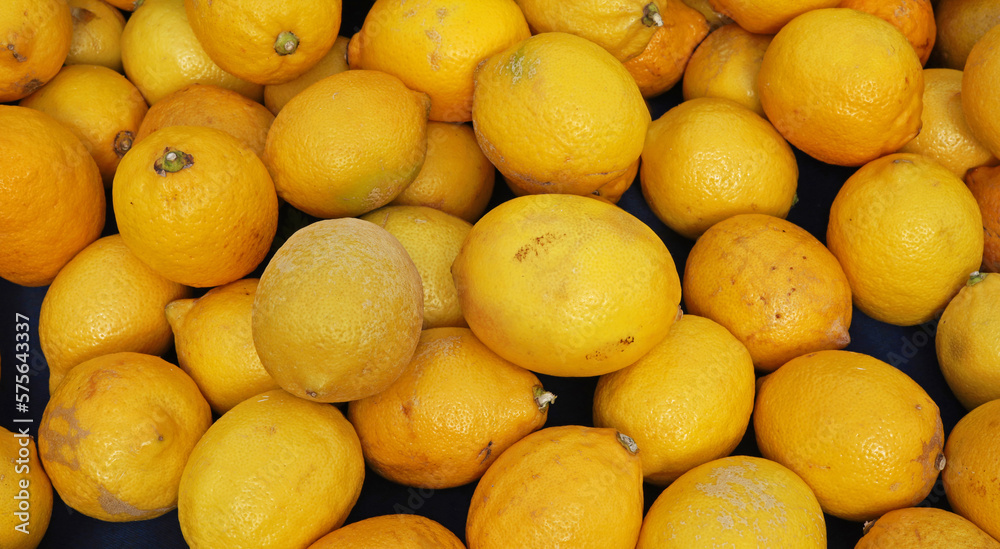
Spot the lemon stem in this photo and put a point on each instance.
(940, 462)
(286, 43)
(628, 443)
(172, 161)
(651, 16)
(543, 398)
(975, 278)
(123, 142)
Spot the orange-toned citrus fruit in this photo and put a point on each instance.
(960, 24)
(944, 134)
(104, 301)
(402, 531)
(456, 177)
(914, 18)
(456, 407)
(661, 65)
(97, 34)
(214, 107)
(905, 213)
(347, 144)
(26, 492)
(985, 186)
(434, 46)
(738, 501)
(767, 16)
(196, 205)
(432, 239)
(127, 5)
(968, 341)
(819, 414)
(338, 311)
(275, 471)
(566, 285)
(123, 465)
(972, 451)
(542, 114)
(725, 65)
(214, 344)
(161, 54)
(979, 80)
(565, 483)
(816, 69)
(335, 60)
(710, 158)
(924, 528)
(664, 401)
(265, 41)
(53, 204)
(623, 28)
(97, 104)
(772, 284)
(37, 36)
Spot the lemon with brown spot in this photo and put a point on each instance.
(126, 465)
(969, 477)
(97, 33)
(36, 35)
(566, 285)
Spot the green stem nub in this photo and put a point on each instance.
(172, 161)
(543, 398)
(975, 278)
(286, 44)
(651, 16)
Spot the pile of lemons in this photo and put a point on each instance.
(277, 258)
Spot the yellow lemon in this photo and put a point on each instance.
(215, 346)
(982, 70)
(907, 232)
(97, 34)
(968, 341)
(37, 35)
(914, 18)
(561, 485)
(725, 65)
(338, 311)
(972, 451)
(566, 285)
(26, 492)
(117, 432)
(403, 531)
(738, 501)
(455, 408)
(335, 61)
(685, 402)
(863, 435)
(924, 528)
(767, 16)
(275, 471)
(623, 28)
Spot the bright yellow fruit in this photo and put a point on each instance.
(97, 34)
(215, 346)
(265, 41)
(161, 54)
(196, 205)
(543, 114)
(36, 35)
(944, 134)
(623, 28)
(53, 201)
(561, 486)
(402, 531)
(969, 477)
(960, 24)
(661, 65)
(26, 492)
(968, 341)
(685, 402)
(725, 65)
(767, 16)
(739, 502)
(432, 239)
(347, 144)
(456, 407)
(456, 177)
(708, 159)
(104, 301)
(338, 311)
(434, 46)
(924, 528)
(566, 285)
(863, 435)
(772, 284)
(907, 232)
(823, 88)
(275, 471)
(979, 84)
(117, 432)
(335, 61)
(914, 18)
(100, 106)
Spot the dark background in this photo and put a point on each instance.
(910, 349)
